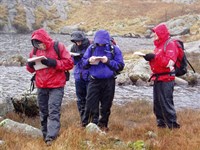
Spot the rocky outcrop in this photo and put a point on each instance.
(24, 16)
(182, 25)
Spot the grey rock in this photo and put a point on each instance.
(17, 127)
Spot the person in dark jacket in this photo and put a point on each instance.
(81, 75)
(162, 62)
(103, 65)
(50, 81)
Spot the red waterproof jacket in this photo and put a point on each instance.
(160, 64)
(51, 77)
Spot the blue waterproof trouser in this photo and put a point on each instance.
(100, 96)
(50, 101)
(163, 103)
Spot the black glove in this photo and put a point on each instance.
(31, 64)
(49, 62)
(149, 56)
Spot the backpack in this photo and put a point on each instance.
(56, 48)
(182, 61)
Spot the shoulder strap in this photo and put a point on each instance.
(56, 48)
(166, 43)
(112, 49)
(93, 48)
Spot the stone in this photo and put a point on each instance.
(16, 127)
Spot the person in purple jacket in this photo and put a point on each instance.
(103, 60)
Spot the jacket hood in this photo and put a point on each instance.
(162, 32)
(42, 36)
(77, 36)
(102, 37)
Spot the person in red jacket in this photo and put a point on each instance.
(162, 65)
(50, 81)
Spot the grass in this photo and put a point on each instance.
(127, 16)
(128, 123)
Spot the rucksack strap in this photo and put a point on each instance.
(157, 75)
(166, 43)
(56, 48)
(191, 66)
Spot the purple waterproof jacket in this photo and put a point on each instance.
(115, 61)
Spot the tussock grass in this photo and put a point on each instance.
(128, 122)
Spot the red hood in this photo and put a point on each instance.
(42, 36)
(162, 33)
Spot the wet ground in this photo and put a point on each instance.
(15, 80)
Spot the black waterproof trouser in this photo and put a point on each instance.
(81, 93)
(163, 104)
(49, 101)
(100, 96)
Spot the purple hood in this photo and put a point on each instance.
(102, 37)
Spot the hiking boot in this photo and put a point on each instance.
(161, 125)
(175, 126)
(104, 129)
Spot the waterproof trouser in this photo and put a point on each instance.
(100, 96)
(49, 101)
(81, 93)
(163, 103)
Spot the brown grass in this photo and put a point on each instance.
(121, 16)
(128, 122)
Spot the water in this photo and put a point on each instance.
(15, 80)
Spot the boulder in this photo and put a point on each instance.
(17, 127)
(26, 104)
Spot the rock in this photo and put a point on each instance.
(17, 127)
(93, 128)
(180, 81)
(181, 25)
(2, 142)
(69, 29)
(26, 104)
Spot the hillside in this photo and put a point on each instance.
(126, 18)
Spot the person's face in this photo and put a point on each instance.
(42, 46)
(101, 44)
(78, 43)
(155, 36)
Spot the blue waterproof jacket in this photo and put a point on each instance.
(79, 71)
(115, 61)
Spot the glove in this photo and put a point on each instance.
(149, 56)
(49, 62)
(31, 64)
